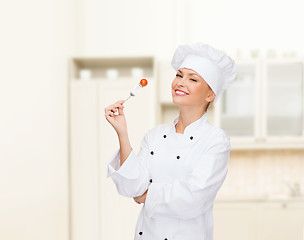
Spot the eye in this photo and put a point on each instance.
(178, 75)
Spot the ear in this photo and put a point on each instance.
(210, 96)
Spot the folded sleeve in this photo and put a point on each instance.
(194, 194)
(132, 177)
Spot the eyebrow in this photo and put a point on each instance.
(189, 73)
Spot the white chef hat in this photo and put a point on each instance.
(214, 66)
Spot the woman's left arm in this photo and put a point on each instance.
(193, 195)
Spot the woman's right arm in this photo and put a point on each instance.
(128, 170)
(125, 146)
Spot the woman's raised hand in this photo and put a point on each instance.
(118, 122)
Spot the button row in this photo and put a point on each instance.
(166, 136)
(152, 153)
(178, 157)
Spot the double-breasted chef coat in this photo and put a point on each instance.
(182, 172)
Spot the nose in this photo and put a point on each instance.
(181, 81)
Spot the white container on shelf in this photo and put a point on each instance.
(112, 73)
(85, 74)
(137, 72)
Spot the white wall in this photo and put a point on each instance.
(128, 27)
(137, 26)
(37, 37)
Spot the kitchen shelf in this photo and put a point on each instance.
(123, 64)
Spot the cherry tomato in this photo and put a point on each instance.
(143, 82)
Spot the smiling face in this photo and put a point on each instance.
(195, 91)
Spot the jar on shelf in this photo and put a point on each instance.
(85, 74)
(112, 73)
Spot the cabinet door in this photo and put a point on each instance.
(238, 104)
(84, 160)
(281, 221)
(234, 221)
(283, 99)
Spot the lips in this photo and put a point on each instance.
(181, 91)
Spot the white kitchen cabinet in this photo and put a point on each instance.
(283, 98)
(238, 104)
(97, 210)
(83, 163)
(281, 221)
(276, 90)
(234, 221)
(259, 220)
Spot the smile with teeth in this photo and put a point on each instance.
(179, 93)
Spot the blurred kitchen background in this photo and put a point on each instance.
(63, 62)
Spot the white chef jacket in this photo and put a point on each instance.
(182, 172)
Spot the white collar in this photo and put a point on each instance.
(192, 127)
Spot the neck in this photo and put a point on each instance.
(186, 117)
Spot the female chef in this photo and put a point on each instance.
(180, 166)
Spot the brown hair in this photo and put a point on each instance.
(209, 103)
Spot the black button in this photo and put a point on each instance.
(177, 157)
(165, 136)
(152, 152)
(166, 239)
(140, 233)
(151, 180)
(191, 137)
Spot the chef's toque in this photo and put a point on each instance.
(215, 67)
